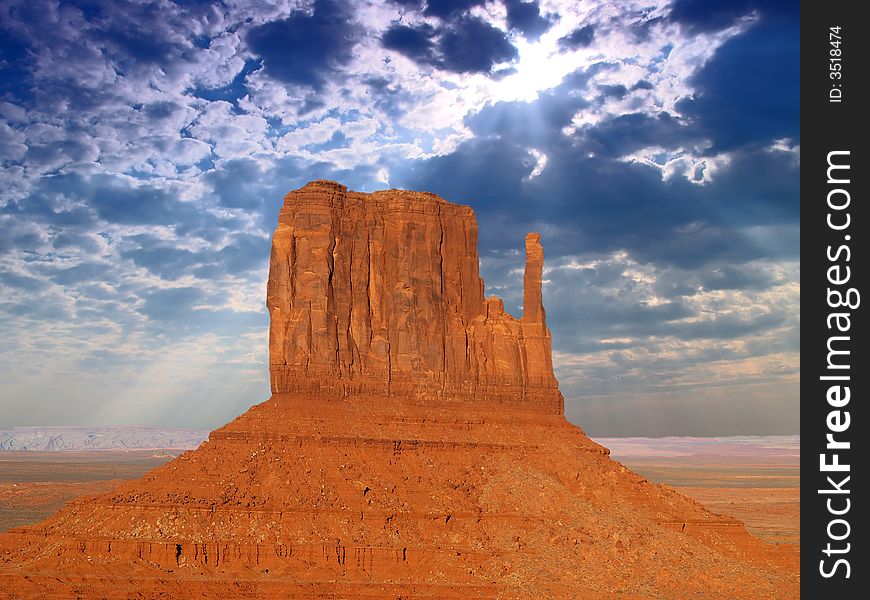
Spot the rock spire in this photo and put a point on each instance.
(533, 303)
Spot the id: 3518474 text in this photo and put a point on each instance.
(835, 63)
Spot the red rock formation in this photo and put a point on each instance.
(380, 293)
(414, 446)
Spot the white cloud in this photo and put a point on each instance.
(12, 113)
(687, 163)
(315, 133)
(12, 143)
(539, 165)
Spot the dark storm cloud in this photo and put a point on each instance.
(471, 45)
(626, 133)
(306, 48)
(706, 15)
(617, 91)
(464, 45)
(522, 15)
(750, 90)
(415, 42)
(527, 18)
(448, 8)
(128, 37)
(415, 4)
(643, 84)
(579, 38)
(162, 112)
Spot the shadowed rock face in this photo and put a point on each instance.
(414, 446)
(381, 293)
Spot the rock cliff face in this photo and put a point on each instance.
(414, 446)
(380, 293)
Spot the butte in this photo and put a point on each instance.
(415, 445)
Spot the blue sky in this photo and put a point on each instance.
(145, 149)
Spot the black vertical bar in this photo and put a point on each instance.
(834, 219)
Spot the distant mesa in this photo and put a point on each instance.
(71, 438)
(414, 445)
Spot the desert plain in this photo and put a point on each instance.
(754, 479)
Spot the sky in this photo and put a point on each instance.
(146, 146)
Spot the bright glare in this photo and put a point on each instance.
(541, 67)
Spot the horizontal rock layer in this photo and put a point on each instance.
(380, 293)
(374, 495)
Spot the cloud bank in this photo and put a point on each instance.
(145, 148)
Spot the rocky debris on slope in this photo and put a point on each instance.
(414, 445)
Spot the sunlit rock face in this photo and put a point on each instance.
(381, 293)
(414, 446)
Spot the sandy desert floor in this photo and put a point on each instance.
(34, 485)
(762, 489)
(756, 480)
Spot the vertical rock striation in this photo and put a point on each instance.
(380, 293)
